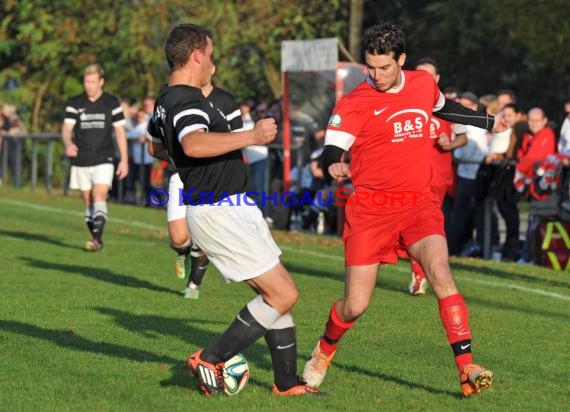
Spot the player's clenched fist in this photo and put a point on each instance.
(265, 131)
(339, 170)
(71, 150)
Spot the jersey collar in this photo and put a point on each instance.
(392, 90)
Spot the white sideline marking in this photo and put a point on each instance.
(290, 249)
(461, 279)
(79, 214)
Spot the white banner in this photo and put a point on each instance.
(309, 55)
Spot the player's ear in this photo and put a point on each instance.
(402, 59)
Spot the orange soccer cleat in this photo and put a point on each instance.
(209, 375)
(474, 378)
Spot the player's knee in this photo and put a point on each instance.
(290, 298)
(179, 239)
(286, 299)
(353, 310)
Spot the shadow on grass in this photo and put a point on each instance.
(104, 275)
(502, 274)
(36, 237)
(194, 331)
(68, 339)
(256, 354)
(523, 309)
(402, 382)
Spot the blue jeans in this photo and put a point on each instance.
(258, 178)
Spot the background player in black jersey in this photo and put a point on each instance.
(229, 227)
(190, 260)
(87, 133)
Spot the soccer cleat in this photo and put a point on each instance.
(93, 245)
(182, 266)
(298, 390)
(474, 378)
(417, 286)
(209, 375)
(316, 367)
(191, 293)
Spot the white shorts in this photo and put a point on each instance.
(235, 238)
(84, 177)
(175, 210)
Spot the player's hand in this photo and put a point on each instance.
(71, 150)
(122, 169)
(500, 124)
(264, 131)
(444, 142)
(339, 170)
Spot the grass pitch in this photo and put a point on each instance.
(110, 331)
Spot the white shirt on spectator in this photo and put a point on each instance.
(469, 157)
(564, 141)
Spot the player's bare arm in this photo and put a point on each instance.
(200, 143)
(70, 147)
(446, 144)
(123, 166)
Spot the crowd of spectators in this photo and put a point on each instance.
(503, 166)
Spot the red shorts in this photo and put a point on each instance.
(374, 233)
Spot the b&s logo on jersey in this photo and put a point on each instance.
(335, 120)
(408, 124)
(434, 126)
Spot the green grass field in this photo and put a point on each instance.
(110, 331)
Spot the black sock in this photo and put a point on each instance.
(89, 225)
(242, 332)
(198, 267)
(283, 348)
(98, 226)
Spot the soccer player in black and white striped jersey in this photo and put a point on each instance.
(87, 133)
(227, 226)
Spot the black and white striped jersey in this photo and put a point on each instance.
(179, 110)
(93, 130)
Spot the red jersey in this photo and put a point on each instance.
(442, 167)
(388, 133)
(535, 148)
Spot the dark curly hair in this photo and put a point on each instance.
(384, 38)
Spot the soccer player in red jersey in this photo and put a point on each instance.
(442, 168)
(385, 123)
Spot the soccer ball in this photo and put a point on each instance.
(236, 374)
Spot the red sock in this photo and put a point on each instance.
(455, 318)
(417, 269)
(334, 330)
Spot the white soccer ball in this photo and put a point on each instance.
(236, 374)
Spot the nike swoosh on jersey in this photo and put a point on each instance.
(379, 112)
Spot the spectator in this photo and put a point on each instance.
(505, 97)
(130, 110)
(468, 159)
(537, 144)
(501, 186)
(256, 155)
(564, 140)
(142, 161)
(10, 125)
